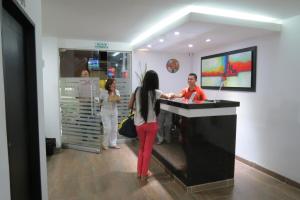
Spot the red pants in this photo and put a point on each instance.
(146, 133)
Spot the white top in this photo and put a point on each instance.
(107, 106)
(138, 119)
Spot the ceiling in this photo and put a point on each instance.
(196, 33)
(123, 20)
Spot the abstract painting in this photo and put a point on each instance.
(234, 70)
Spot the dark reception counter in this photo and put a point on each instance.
(201, 152)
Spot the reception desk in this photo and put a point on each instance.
(201, 153)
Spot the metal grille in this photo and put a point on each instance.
(80, 113)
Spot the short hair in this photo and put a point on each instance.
(194, 75)
(108, 83)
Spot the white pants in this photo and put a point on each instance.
(110, 128)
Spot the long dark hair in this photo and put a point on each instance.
(150, 83)
(108, 84)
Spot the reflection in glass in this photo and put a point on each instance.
(100, 64)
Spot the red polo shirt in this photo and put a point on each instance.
(199, 97)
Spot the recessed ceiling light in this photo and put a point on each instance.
(207, 40)
(116, 53)
(176, 33)
(143, 49)
(171, 19)
(190, 45)
(149, 45)
(161, 40)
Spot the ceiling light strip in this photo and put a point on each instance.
(233, 14)
(162, 24)
(200, 10)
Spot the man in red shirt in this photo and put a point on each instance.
(198, 96)
(193, 89)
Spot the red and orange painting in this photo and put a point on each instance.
(233, 70)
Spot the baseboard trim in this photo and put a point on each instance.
(269, 172)
(206, 186)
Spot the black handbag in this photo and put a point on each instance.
(127, 127)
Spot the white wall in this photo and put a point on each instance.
(168, 82)
(269, 119)
(33, 10)
(51, 88)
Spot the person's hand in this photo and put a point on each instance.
(114, 98)
(168, 95)
(117, 98)
(112, 93)
(172, 96)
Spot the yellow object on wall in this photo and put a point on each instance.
(102, 83)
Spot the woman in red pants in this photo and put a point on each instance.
(147, 109)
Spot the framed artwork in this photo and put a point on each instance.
(233, 70)
(172, 65)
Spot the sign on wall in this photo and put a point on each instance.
(102, 45)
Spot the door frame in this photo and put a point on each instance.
(32, 104)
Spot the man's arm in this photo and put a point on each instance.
(173, 96)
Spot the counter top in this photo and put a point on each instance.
(207, 104)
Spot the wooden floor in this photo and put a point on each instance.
(77, 175)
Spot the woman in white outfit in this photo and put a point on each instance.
(109, 114)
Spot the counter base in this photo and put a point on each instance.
(199, 187)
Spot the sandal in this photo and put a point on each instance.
(143, 178)
(115, 147)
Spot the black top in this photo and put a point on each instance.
(206, 104)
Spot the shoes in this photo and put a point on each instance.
(147, 175)
(144, 178)
(104, 147)
(115, 147)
